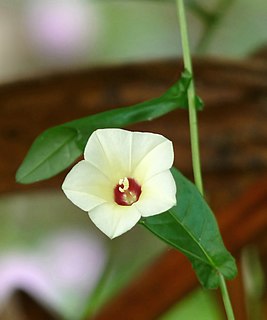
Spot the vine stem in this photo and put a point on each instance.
(194, 134)
(191, 98)
(226, 299)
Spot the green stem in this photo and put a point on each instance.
(194, 133)
(191, 98)
(226, 299)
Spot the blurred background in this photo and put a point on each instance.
(43, 36)
(48, 248)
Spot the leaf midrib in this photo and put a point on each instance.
(195, 240)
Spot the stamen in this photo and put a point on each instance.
(124, 183)
(127, 191)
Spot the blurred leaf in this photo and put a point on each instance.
(191, 228)
(56, 148)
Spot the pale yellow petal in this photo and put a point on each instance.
(114, 220)
(87, 187)
(110, 151)
(142, 144)
(158, 194)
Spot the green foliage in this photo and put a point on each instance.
(58, 147)
(191, 228)
(54, 149)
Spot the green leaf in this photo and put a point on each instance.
(191, 228)
(55, 149)
(181, 86)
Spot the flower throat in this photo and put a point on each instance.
(127, 191)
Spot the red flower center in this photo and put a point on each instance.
(126, 192)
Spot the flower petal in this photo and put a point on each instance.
(155, 153)
(120, 153)
(87, 187)
(158, 195)
(110, 151)
(114, 220)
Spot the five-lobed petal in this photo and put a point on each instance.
(115, 155)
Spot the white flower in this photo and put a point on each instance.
(124, 176)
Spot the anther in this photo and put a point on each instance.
(123, 184)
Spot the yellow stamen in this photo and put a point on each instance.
(124, 183)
